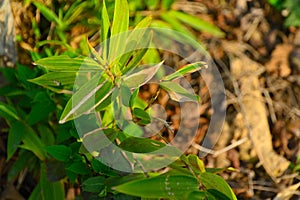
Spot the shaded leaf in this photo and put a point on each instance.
(164, 186)
(94, 184)
(59, 152)
(48, 14)
(33, 143)
(144, 145)
(15, 136)
(50, 190)
(79, 167)
(7, 111)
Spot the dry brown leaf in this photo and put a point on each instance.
(255, 116)
(279, 63)
(287, 193)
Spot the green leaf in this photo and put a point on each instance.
(25, 159)
(196, 164)
(93, 184)
(216, 185)
(105, 30)
(141, 145)
(133, 97)
(79, 167)
(140, 75)
(59, 152)
(164, 186)
(42, 106)
(55, 170)
(48, 14)
(145, 145)
(33, 143)
(87, 98)
(75, 12)
(133, 129)
(60, 79)
(166, 4)
(50, 190)
(137, 45)
(121, 17)
(197, 195)
(197, 23)
(177, 92)
(188, 69)
(176, 25)
(15, 136)
(118, 29)
(7, 111)
(143, 115)
(64, 63)
(99, 138)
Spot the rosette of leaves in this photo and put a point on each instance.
(106, 87)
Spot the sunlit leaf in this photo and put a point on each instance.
(140, 75)
(98, 139)
(217, 185)
(176, 25)
(87, 98)
(188, 69)
(177, 92)
(118, 30)
(197, 23)
(64, 63)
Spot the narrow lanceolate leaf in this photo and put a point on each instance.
(88, 97)
(8, 111)
(64, 63)
(137, 42)
(121, 17)
(118, 29)
(216, 186)
(197, 23)
(15, 136)
(105, 31)
(50, 190)
(94, 184)
(33, 143)
(177, 92)
(188, 69)
(140, 76)
(176, 25)
(58, 81)
(48, 14)
(145, 145)
(164, 186)
(59, 152)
